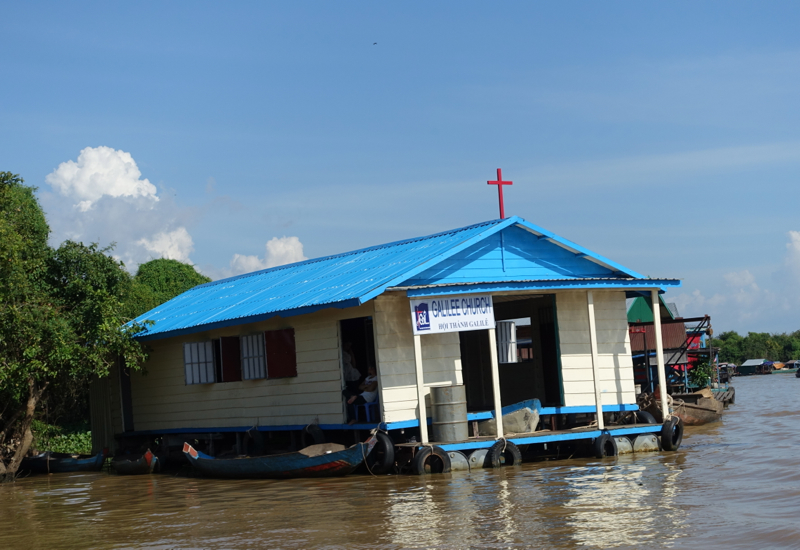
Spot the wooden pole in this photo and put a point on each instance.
(662, 377)
(498, 406)
(422, 413)
(598, 398)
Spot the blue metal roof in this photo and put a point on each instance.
(342, 280)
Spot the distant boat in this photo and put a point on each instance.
(321, 460)
(49, 462)
(145, 464)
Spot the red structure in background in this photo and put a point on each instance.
(500, 183)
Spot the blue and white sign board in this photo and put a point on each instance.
(452, 314)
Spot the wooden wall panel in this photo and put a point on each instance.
(615, 363)
(394, 340)
(162, 400)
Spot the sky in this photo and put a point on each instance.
(240, 136)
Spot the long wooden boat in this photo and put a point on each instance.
(703, 411)
(49, 462)
(321, 460)
(145, 464)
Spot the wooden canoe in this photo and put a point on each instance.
(705, 410)
(322, 460)
(145, 464)
(49, 462)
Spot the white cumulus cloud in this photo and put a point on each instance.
(279, 251)
(740, 299)
(101, 171)
(173, 245)
(109, 201)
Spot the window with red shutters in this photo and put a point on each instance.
(281, 355)
(230, 359)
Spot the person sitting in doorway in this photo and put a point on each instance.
(352, 375)
(368, 393)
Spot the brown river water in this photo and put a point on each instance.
(733, 484)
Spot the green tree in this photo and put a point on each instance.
(730, 346)
(158, 281)
(60, 318)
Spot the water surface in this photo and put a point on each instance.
(733, 484)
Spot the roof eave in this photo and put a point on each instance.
(149, 336)
(549, 285)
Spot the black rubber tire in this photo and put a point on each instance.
(317, 435)
(672, 434)
(380, 460)
(431, 460)
(644, 417)
(605, 446)
(503, 453)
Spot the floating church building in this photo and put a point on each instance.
(514, 314)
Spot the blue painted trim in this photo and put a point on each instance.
(486, 415)
(578, 284)
(587, 409)
(551, 438)
(353, 302)
(404, 424)
(240, 429)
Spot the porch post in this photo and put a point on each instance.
(598, 398)
(662, 377)
(423, 415)
(498, 406)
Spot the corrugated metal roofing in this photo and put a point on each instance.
(342, 280)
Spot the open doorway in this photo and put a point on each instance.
(356, 336)
(528, 357)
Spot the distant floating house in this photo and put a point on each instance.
(506, 308)
(684, 340)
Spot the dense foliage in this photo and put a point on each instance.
(61, 319)
(700, 374)
(757, 345)
(75, 439)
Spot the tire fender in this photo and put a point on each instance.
(605, 446)
(503, 453)
(431, 460)
(645, 417)
(381, 460)
(672, 434)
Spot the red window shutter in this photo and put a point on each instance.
(231, 359)
(281, 356)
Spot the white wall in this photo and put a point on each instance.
(394, 342)
(614, 349)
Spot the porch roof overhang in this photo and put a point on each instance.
(630, 286)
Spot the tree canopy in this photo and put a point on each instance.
(757, 345)
(158, 281)
(61, 318)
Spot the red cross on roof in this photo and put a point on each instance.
(500, 183)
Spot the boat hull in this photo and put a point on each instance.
(57, 463)
(705, 411)
(281, 466)
(145, 464)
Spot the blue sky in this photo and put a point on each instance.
(664, 136)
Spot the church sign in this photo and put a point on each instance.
(452, 314)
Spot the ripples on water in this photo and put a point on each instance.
(734, 484)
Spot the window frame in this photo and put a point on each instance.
(200, 362)
(253, 356)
